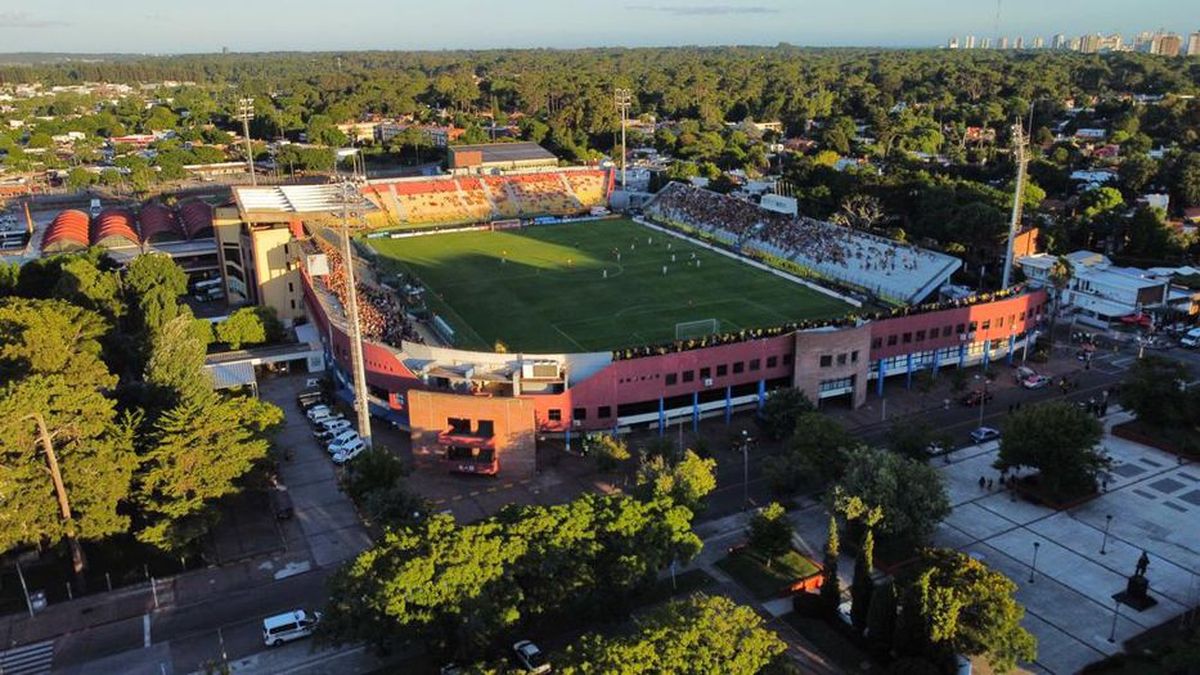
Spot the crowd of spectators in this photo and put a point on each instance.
(381, 315)
(798, 239)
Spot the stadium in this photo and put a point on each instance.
(500, 309)
(503, 302)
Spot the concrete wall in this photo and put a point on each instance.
(515, 432)
(846, 353)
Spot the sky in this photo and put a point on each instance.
(174, 26)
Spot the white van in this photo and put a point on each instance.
(1190, 339)
(340, 439)
(289, 626)
(349, 451)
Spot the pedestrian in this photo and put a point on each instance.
(982, 482)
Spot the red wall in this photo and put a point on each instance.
(1004, 318)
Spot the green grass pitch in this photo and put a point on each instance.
(543, 288)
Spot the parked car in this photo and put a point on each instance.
(1023, 373)
(289, 626)
(341, 443)
(331, 426)
(341, 438)
(1036, 382)
(985, 434)
(1190, 339)
(977, 397)
(317, 411)
(530, 657)
(349, 451)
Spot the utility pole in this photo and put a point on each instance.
(1014, 224)
(246, 111)
(623, 98)
(78, 561)
(358, 373)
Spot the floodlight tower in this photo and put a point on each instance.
(246, 111)
(1019, 144)
(349, 197)
(623, 98)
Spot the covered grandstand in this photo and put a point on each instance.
(891, 270)
(159, 223)
(67, 232)
(114, 228)
(196, 219)
(429, 202)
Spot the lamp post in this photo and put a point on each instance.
(745, 469)
(1104, 542)
(982, 397)
(623, 98)
(1112, 633)
(1033, 565)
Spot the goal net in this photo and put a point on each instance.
(694, 329)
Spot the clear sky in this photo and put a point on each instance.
(172, 26)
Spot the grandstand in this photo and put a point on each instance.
(896, 272)
(429, 202)
(116, 228)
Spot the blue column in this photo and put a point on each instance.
(728, 405)
(695, 411)
(908, 375)
(662, 417)
(987, 354)
(937, 360)
(762, 393)
(568, 436)
(1012, 341)
(962, 355)
(882, 374)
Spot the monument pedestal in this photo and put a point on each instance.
(1136, 594)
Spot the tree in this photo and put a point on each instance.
(699, 635)
(175, 367)
(1154, 391)
(881, 617)
(53, 411)
(201, 448)
(1149, 236)
(854, 509)
(771, 532)
(818, 448)
(1135, 173)
(859, 211)
(831, 592)
(910, 492)
(780, 411)
(155, 283)
(960, 606)
(248, 326)
(1059, 440)
(1188, 179)
(685, 482)
(1060, 275)
(609, 450)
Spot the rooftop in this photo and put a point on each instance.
(267, 202)
(508, 152)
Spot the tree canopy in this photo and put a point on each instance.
(1059, 440)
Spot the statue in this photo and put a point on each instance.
(1142, 563)
(1137, 589)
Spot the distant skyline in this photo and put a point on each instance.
(154, 26)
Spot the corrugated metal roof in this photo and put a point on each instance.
(230, 375)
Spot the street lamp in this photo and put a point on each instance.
(1104, 542)
(746, 440)
(1112, 633)
(982, 397)
(1033, 565)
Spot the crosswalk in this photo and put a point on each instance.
(30, 659)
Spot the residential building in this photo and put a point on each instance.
(1169, 44)
(1019, 43)
(970, 44)
(1098, 292)
(985, 43)
(1003, 44)
(952, 43)
(1060, 41)
(1193, 44)
(1039, 42)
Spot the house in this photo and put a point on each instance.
(1099, 293)
(1091, 135)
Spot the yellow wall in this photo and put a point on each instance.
(277, 277)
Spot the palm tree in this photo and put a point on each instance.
(1059, 276)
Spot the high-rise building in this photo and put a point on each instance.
(1090, 44)
(1020, 43)
(1076, 43)
(952, 43)
(1193, 44)
(985, 43)
(1112, 43)
(1060, 41)
(1143, 41)
(970, 42)
(1169, 44)
(1039, 42)
(1003, 44)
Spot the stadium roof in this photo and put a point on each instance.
(267, 204)
(507, 152)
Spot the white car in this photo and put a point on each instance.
(985, 434)
(331, 426)
(317, 412)
(530, 657)
(349, 451)
(1036, 382)
(341, 438)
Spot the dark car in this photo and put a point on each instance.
(977, 398)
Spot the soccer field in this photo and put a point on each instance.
(544, 288)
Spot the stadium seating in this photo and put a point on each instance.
(890, 269)
(453, 201)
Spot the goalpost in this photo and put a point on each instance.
(694, 329)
